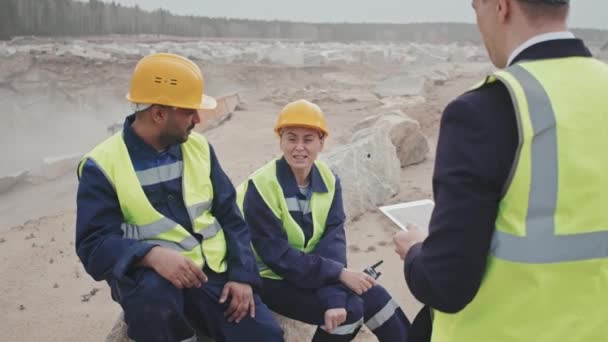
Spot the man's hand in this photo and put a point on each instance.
(241, 301)
(404, 240)
(176, 268)
(358, 282)
(333, 318)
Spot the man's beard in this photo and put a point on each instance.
(169, 139)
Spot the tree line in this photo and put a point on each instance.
(95, 17)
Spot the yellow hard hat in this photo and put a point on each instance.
(170, 80)
(301, 113)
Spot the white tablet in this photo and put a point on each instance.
(416, 212)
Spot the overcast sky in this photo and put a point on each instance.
(585, 13)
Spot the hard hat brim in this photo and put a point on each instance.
(208, 102)
(278, 129)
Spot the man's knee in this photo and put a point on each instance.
(265, 324)
(269, 331)
(153, 309)
(261, 328)
(153, 300)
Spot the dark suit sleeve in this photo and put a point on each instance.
(475, 151)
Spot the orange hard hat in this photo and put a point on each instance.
(170, 80)
(301, 113)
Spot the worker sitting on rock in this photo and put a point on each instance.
(157, 218)
(293, 206)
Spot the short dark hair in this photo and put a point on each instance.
(141, 113)
(538, 10)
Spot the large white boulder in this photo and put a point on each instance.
(285, 55)
(427, 54)
(55, 167)
(401, 101)
(401, 86)
(87, 51)
(9, 181)
(226, 105)
(368, 169)
(404, 133)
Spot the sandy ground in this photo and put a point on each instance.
(47, 296)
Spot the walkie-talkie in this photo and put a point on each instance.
(371, 271)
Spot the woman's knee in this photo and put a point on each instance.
(375, 298)
(377, 292)
(355, 309)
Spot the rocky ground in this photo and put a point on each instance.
(60, 95)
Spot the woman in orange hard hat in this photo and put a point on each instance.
(294, 209)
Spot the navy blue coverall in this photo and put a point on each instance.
(154, 309)
(310, 284)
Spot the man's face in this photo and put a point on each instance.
(178, 125)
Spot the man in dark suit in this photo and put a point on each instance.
(518, 241)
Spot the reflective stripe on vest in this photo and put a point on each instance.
(541, 244)
(298, 205)
(150, 230)
(143, 222)
(547, 268)
(160, 174)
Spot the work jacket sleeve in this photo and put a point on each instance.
(100, 244)
(332, 296)
(333, 246)
(241, 262)
(333, 242)
(270, 242)
(474, 154)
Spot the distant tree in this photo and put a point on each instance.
(71, 17)
(8, 19)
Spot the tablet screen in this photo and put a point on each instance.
(416, 212)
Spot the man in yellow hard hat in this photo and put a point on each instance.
(518, 241)
(157, 218)
(293, 206)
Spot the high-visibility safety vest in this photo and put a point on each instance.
(547, 271)
(267, 184)
(144, 223)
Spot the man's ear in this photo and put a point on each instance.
(504, 8)
(158, 114)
